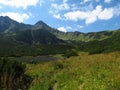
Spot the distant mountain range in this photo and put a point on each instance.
(41, 33)
(24, 33)
(19, 39)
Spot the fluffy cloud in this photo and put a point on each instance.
(20, 3)
(16, 16)
(106, 14)
(80, 26)
(56, 8)
(57, 16)
(62, 29)
(91, 16)
(88, 7)
(76, 15)
(107, 1)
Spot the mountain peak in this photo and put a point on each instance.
(4, 18)
(40, 23)
(7, 19)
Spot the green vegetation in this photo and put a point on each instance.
(83, 72)
(33, 50)
(39, 36)
(47, 59)
(70, 53)
(12, 75)
(78, 36)
(107, 45)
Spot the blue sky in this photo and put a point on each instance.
(65, 15)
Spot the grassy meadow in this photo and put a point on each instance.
(82, 72)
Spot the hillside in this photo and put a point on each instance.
(39, 57)
(39, 39)
(13, 31)
(84, 72)
(7, 25)
(10, 26)
(38, 36)
(106, 45)
(78, 36)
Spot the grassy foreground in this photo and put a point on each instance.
(83, 72)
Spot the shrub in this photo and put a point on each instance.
(70, 53)
(12, 75)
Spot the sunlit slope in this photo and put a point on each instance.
(83, 72)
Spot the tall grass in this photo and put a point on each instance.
(83, 72)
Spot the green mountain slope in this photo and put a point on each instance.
(42, 34)
(32, 34)
(39, 36)
(10, 26)
(78, 36)
(106, 45)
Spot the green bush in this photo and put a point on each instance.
(12, 75)
(70, 53)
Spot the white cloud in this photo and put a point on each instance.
(19, 3)
(76, 15)
(62, 29)
(107, 1)
(57, 16)
(79, 26)
(16, 16)
(57, 8)
(106, 14)
(75, 7)
(91, 16)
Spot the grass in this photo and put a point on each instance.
(82, 72)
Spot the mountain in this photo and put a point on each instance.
(17, 39)
(8, 25)
(44, 34)
(23, 33)
(107, 45)
(79, 36)
(38, 36)
(41, 25)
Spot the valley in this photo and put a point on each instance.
(39, 57)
